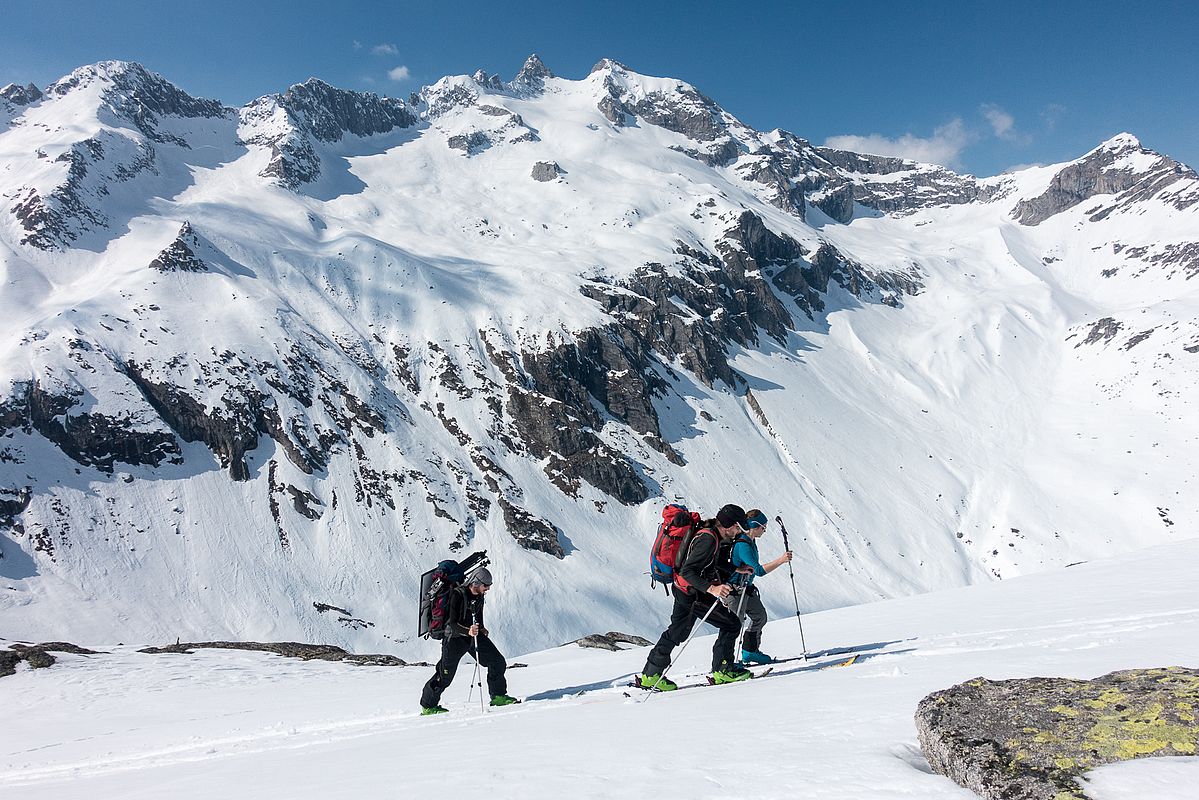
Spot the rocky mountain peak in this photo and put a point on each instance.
(493, 82)
(21, 95)
(311, 111)
(609, 64)
(1121, 142)
(1120, 166)
(181, 255)
(134, 93)
(533, 71)
(328, 113)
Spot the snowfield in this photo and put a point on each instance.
(235, 724)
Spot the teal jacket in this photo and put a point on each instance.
(745, 554)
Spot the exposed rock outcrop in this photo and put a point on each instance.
(1034, 738)
(180, 254)
(529, 531)
(896, 185)
(328, 113)
(89, 437)
(612, 640)
(14, 500)
(37, 656)
(300, 650)
(230, 431)
(57, 217)
(18, 95)
(313, 111)
(546, 171)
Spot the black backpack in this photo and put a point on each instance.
(435, 588)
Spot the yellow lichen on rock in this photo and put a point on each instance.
(1034, 738)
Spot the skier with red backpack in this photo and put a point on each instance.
(697, 562)
(462, 632)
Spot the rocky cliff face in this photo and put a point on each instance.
(134, 94)
(292, 124)
(1119, 167)
(15, 95)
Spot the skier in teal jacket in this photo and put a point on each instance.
(745, 555)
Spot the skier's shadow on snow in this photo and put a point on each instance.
(567, 691)
(860, 648)
(829, 658)
(862, 651)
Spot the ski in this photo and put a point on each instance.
(707, 682)
(844, 663)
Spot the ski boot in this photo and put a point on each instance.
(731, 674)
(659, 682)
(431, 710)
(754, 657)
(503, 700)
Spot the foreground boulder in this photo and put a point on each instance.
(1032, 739)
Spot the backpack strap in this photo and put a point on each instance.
(707, 527)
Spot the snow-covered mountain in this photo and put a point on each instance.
(263, 366)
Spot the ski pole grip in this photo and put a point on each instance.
(783, 528)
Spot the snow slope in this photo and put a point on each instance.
(391, 343)
(248, 725)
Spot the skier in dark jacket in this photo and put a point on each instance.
(465, 633)
(701, 583)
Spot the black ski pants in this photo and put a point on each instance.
(687, 609)
(753, 608)
(453, 648)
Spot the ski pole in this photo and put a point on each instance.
(474, 677)
(679, 655)
(478, 667)
(794, 591)
(741, 619)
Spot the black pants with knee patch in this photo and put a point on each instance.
(452, 651)
(687, 609)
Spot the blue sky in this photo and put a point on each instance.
(980, 86)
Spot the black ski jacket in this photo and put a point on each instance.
(464, 609)
(707, 560)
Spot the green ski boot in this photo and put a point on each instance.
(659, 682)
(427, 712)
(503, 700)
(731, 675)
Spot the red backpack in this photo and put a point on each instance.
(677, 522)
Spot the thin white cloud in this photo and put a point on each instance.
(400, 73)
(1003, 124)
(357, 45)
(943, 147)
(1052, 113)
(385, 50)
